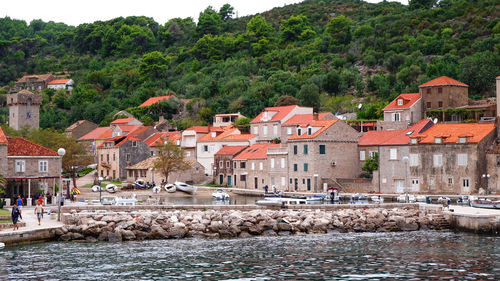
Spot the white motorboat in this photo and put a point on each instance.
(466, 199)
(156, 189)
(443, 199)
(220, 195)
(316, 198)
(411, 198)
(96, 188)
(126, 201)
(281, 201)
(485, 203)
(184, 187)
(140, 183)
(170, 188)
(421, 199)
(111, 188)
(108, 200)
(377, 199)
(402, 198)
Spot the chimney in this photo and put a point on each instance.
(161, 119)
(315, 116)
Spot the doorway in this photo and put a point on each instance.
(228, 180)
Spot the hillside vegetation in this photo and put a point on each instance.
(327, 54)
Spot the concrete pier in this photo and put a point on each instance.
(477, 220)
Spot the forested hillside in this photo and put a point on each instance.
(327, 54)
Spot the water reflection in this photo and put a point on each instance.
(375, 256)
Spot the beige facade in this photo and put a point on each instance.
(251, 173)
(227, 119)
(400, 119)
(143, 170)
(277, 163)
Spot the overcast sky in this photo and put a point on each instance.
(74, 12)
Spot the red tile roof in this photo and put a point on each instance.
(60, 81)
(300, 119)
(474, 132)
(98, 133)
(3, 138)
(281, 112)
(122, 121)
(230, 150)
(408, 101)
(323, 124)
(18, 146)
(229, 134)
(498, 77)
(160, 138)
(154, 100)
(128, 139)
(443, 81)
(256, 151)
(205, 129)
(394, 137)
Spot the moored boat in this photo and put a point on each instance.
(96, 188)
(421, 199)
(377, 199)
(170, 188)
(111, 188)
(140, 183)
(466, 199)
(184, 187)
(281, 202)
(485, 203)
(316, 198)
(220, 195)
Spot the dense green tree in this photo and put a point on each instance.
(296, 28)
(226, 12)
(209, 22)
(153, 65)
(339, 28)
(421, 4)
(286, 100)
(309, 96)
(479, 71)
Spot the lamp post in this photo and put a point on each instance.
(486, 177)
(100, 188)
(60, 152)
(405, 159)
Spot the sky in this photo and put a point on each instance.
(75, 12)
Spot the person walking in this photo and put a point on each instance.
(19, 203)
(16, 214)
(38, 211)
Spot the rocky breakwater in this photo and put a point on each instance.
(141, 225)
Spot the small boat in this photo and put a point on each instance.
(411, 198)
(281, 202)
(466, 199)
(401, 198)
(220, 195)
(377, 199)
(485, 203)
(316, 198)
(359, 197)
(111, 188)
(140, 183)
(2, 245)
(184, 187)
(170, 188)
(125, 201)
(443, 199)
(108, 200)
(96, 188)
(156, 189)
(421, 199)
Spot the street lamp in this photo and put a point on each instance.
(60, 152)
(486, 177)
(100, 188)
(405, 159)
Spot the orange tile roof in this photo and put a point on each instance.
(442, 81)
(408, 101)
(122, 121)
(229, 134)
(256, 151)
(97, 134)
(154, 100)
(498, 77)
(128, 139)
(60, 81)
(126, 129)
(394, 137)
(241, 137)
(205, 129)
(18, 146)
(281, 112)
(160, 138)
(305, 118)
(3, 138)
(230, 150)
(475, 132)
(324, 124)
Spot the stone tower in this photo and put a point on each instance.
(24, 109)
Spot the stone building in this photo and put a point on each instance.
(402, 112)
(190, 137)
(267, 125)
(391, 148)
(27, 167)
(444, 92)
(450, 158)
(80, 128)
(320, 153)
(226, 119)
(289, 127)
(115, 154)
(224, 165)
(252, 171)
(34, 82)
(277, 161)
(24, 110)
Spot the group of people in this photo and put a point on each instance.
(17, 210)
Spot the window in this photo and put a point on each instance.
(102, 157)
(228, 165)
(465, 182)
(438, 140)
(283, 181)
(393, 154)
(362, 156)
(498, 161)
(428, 91)
(114, 156)
(188, 153)
(211, 148)
(273, 182)
(429, 104)
(306, 167)
(282, 163)
(20, 166)
(309, 131)
(396, 117)
(261, 166)
(372, 154)
(205, 148)
(253, 166)
(243, 178)
(275, 130)
(295, 167)
(400, 101)
(440, 104)
(152, 153)
(264, 130)
(243, 165)
(114, 174)
(322, 149)
(431, 181)
(462, 159)
(255, 130)
(450, 180)
(303, 181)
(299, 131)
(413, 160)
(413, 140)
(289, 131)
(272, 163)
(221, 164)
(234, 165)
(414, 181)
(462, 140)
(134, 143)
(295, 149)
(438, 160)
(107, 158)
(440, 90)
(43, 166)
(306, 148)
(291, 180)
(128, 156)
